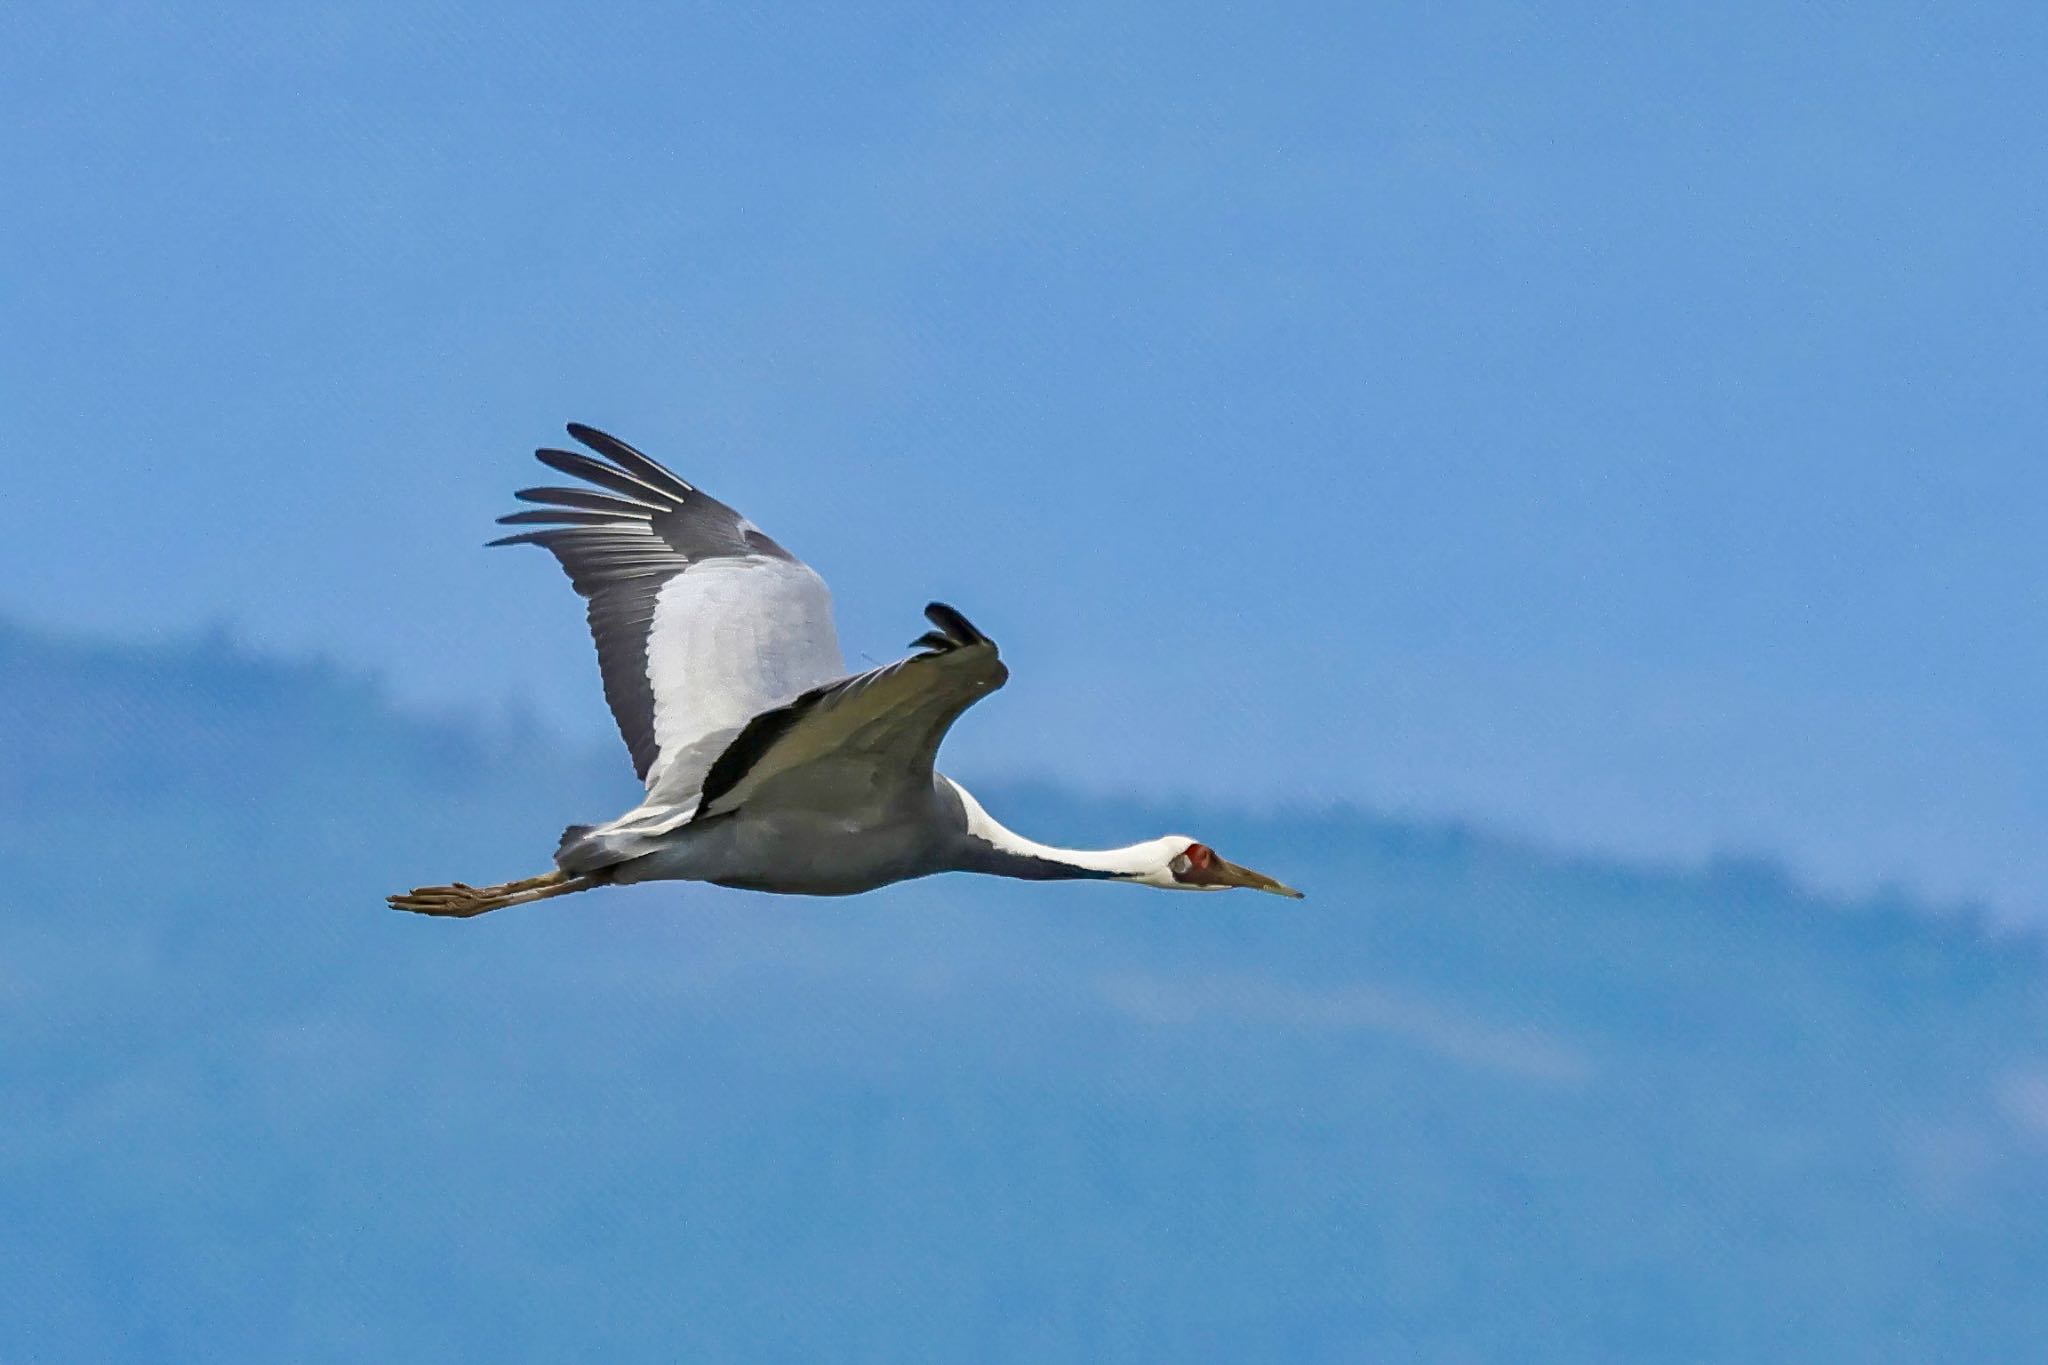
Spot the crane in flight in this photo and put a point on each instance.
(768, 766)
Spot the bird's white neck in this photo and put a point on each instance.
(992, 847)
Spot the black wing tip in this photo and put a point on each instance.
(957, 631)
(648, 484)
(631, 459)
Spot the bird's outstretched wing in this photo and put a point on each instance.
(864, 738)
(701, 621)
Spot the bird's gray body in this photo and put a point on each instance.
(839, 839)
(822, 847)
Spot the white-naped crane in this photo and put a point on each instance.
(767, 765)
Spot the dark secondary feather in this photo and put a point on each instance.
(619, 547)
(957, 666)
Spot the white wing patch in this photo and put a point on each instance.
(731, 638)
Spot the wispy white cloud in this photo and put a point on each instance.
(1524, 1052)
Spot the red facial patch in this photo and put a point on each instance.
(1199, 857)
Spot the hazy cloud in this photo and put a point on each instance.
(1444, 1030)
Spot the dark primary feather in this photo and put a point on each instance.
(954, 630)
(588, 501)
(953, 626)
(580, 466)
(557, 516)
(629, 459)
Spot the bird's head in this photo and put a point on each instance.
(1183, 864)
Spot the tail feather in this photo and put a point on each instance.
(588, 850)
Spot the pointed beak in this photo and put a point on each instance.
(1226, 873)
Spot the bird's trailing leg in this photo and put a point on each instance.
(460, 901)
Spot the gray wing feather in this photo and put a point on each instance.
(622, 546)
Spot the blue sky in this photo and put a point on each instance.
(1621, 429)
